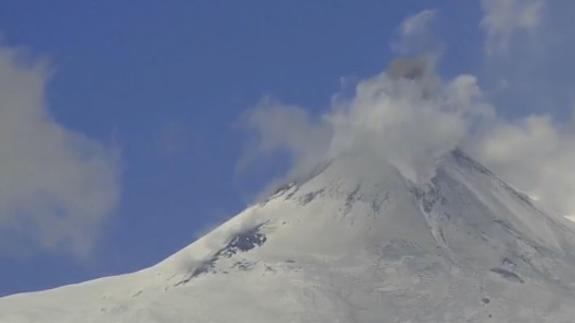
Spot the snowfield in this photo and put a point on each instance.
(346, 245)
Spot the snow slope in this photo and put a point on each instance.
(349, 245)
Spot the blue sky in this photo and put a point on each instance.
(166, 85)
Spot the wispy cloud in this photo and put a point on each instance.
(504, 19)
(415, 34)
(286, 128)
(535, 149)
(56, 185)
(536, 153)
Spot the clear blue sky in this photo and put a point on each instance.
(167, 82)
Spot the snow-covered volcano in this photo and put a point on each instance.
(348, 244)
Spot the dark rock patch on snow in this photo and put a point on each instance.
(509, 275)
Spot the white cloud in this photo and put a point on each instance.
(56, 185)
(286, 128)
(415, 34)
(417, 23)
(537, 155)
(406, 116)
(503, 19)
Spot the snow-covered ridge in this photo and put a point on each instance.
(354, 242)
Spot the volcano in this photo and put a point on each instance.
(349, 244)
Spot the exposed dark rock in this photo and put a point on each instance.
(509, 275)
(241, 242)
(310, 196)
